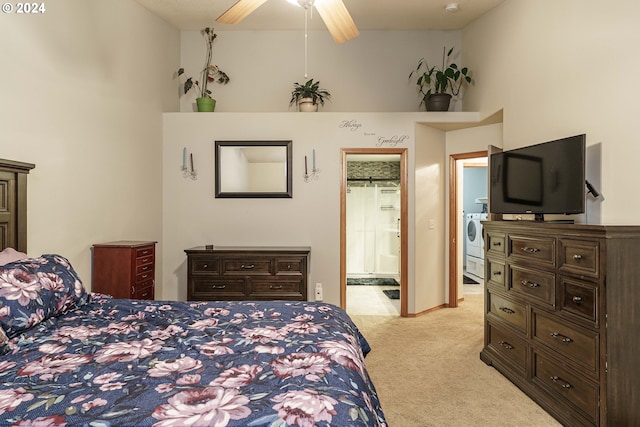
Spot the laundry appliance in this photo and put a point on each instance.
(475, 245)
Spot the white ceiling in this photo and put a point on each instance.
(281, 15)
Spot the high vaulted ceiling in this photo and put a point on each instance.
(281, 15)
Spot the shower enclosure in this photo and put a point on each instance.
(373, 230)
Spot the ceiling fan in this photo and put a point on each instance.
(333, 12)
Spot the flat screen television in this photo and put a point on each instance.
(546, 178)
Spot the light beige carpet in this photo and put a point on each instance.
(427, 371)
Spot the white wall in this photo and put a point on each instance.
(83, 88)
(368, 73)
(560, 69)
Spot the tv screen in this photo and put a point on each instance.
(547, 178)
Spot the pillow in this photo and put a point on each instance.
(10, 255)
(35, 289)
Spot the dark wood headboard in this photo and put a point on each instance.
(13, 204)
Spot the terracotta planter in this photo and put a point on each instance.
(206, 104)
(438, 102)
(306, 105)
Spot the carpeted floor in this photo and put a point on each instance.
(428, 373)
(372, 281)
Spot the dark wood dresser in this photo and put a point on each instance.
(125, 269)
(562, 317)
(247, 273)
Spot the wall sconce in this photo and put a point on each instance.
(314, 169)
(186, 171)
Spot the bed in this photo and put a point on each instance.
(70, 357)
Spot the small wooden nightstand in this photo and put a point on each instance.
(124, 269)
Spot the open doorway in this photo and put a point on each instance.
(373, 231)
(468, 208)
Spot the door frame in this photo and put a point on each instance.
(454, 221)
(404, 245)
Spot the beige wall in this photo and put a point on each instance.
(560, 68)
(83, 89)
(369, 73)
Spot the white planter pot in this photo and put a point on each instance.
(306, 105)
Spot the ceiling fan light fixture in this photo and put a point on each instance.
(452, 7)
(302, 3)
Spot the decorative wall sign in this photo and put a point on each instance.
(380, 141)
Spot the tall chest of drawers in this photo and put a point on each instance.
(125, 269)
(247, 273)
(562, 317)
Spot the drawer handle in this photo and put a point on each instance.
(577, 300)
(498, 244)
(133, 290)
(566, 385)
(219, 286)
(204, 267)
(497, 273)
(506, 345)
(275, 287)
(507, 310)
(577, 257)
(288, 266)
(529, 250)
(247, 267)
(560, 337)
(529, 284)
(144, 276)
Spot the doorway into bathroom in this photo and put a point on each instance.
(372, 231)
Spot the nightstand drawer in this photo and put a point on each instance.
(143, 252)
(144, 276)
(577, 344)
(246, 266)
(142, 290)
(495, 271)
(535, 285)
(580, 257)
(145, 268)
(509, 311)
(534, 249)
(148, 259)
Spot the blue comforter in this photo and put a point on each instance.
(131, 362)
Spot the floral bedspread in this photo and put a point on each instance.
(129, 362)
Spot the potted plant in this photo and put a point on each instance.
(209, 74)
(307, 96)
(437, 85)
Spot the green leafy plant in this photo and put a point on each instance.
(210, 73)
(448, 79)
(311, 90)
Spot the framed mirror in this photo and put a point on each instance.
(253, 169)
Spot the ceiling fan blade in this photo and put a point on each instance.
(240, 10)
(337, 19)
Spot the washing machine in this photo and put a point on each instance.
(475, 244)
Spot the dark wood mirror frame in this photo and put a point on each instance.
(221, 189)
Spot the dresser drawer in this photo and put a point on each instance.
(509, 346)
(579, 299)
(580, 257)
(535, 285)
(218, 288)
(145, 251)
(290, 265)
(142, 290)
(144, 276)
(509, 311)
(276, 289)
(577, 344)
(541, 250)
(246, 266)
(145, 268)
(204, 265)
(495, 271)
(571, 389)
(495, 244)
(147, 259)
